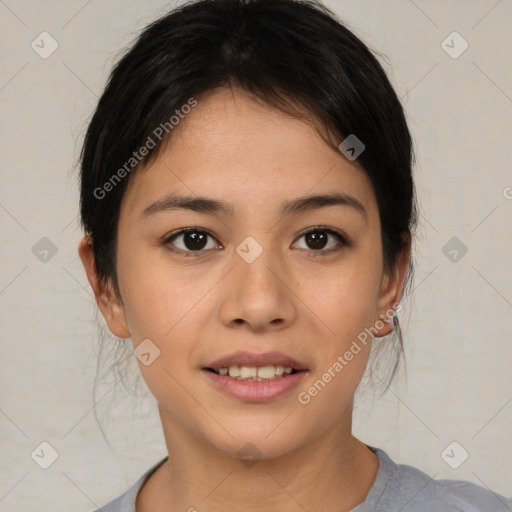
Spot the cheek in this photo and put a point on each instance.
(163, 304)
(156, 295)
(169, 305)
(346, 304)
(346, 299)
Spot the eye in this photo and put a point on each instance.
(320, 240)
(191, 240)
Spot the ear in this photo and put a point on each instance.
(391, 290)
(110, 306)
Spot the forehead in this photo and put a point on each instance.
(233, 147)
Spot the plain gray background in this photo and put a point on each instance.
(457, 327)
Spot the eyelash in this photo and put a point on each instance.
(342, 241)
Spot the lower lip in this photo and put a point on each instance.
(256, 391)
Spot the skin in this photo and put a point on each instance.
(303, 302)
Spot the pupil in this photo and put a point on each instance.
(194, 241)
(316, 240)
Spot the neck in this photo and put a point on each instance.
(334, 472)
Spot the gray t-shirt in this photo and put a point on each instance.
(397, 488)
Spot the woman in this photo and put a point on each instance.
(248, 204)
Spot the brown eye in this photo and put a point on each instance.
(194, 241)
(191, 240)
(316, 240)
(321, 240)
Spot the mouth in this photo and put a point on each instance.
(255, 367)
(255, 377)
(254, 373)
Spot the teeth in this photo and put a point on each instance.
(234, 371)
(269, 372)
(248, 371)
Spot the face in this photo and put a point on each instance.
(263, 278)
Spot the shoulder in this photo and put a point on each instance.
(126, 502)
(408, 489)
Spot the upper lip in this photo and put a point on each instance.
(252, 359)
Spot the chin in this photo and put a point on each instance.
(251, 443)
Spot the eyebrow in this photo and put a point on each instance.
(212, 206)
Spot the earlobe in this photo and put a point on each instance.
(108, 303)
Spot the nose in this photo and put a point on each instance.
(258, 296)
